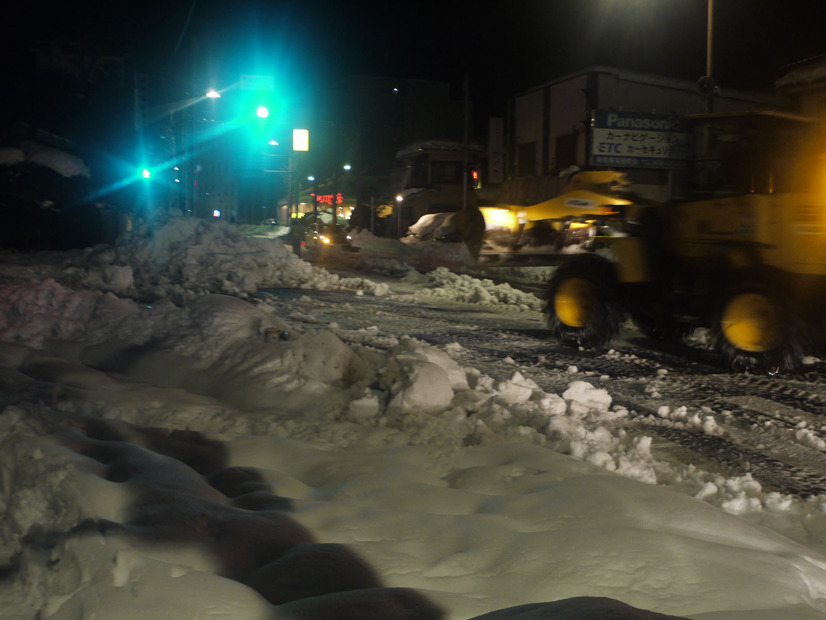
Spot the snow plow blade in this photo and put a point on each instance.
(543, 233)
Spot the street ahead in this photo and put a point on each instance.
(698, 412)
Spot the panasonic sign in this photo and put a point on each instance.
(631, 140)
(636, 122)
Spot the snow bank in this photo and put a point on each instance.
(186, 257)
(129, 395)
(444, 285)
(40, 310)
(63, 163)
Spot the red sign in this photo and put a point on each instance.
(328, 198)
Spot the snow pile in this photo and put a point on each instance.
(186, 257)
(804, 75)
(41, 310)
(444, 285)
(471, 518)
(63, 163)
(428, 225)
(682, 418)
(11, 155)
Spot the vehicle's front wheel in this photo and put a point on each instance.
(756, 330)
(582, 308)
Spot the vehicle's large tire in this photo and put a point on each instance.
(756, 328)
(582, 308)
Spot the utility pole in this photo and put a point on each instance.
(466, 137)
(710, 96)
(705, 85)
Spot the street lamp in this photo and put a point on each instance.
(399, 200)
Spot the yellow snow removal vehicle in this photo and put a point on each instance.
(590, 199)
(740, 249)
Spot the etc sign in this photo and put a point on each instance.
(629, 140)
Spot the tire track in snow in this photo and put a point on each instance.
(771, 427)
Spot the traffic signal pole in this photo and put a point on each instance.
(710, 97)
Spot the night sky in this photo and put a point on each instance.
(504, 47)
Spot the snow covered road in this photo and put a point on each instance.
(189, 416)
(771, 427)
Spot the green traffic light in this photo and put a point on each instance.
(146, 173)
(262, 112)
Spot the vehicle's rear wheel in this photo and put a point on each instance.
(582, 308)
(756, 330)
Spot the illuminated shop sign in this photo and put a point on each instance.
(628, 140)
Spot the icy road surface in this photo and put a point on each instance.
(703, 415)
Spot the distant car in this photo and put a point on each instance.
(319, 234)
(270, 221)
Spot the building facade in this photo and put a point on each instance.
(806, 85)
(551, 128)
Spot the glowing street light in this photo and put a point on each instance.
(399, 200)
(213, 94)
